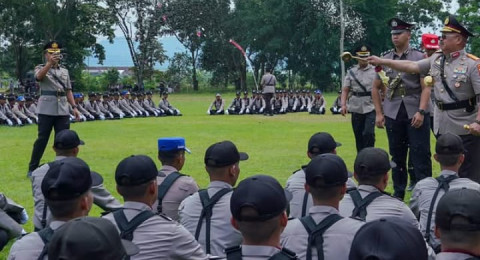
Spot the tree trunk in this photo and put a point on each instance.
(194, 71)
(342, 39)
(243, 75)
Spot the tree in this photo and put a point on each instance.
(469, 16)
(179, 68)
(112, 76)
(141, 23)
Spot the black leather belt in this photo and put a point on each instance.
(401, 92)
(362, 94)
(468, 103)
(52, 93)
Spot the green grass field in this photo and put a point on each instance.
(276, 145)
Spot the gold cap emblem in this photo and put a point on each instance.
(364, 48)
(394, 23)
(447, 21)
(54, 45)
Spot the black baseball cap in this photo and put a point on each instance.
(330, 168)
(52, 46)
(262, 193)
(67, 139)
(372, 161)
(89, 238)
(135, 170)
(448, 144)
(223, 154)
(388, 239)
(462, 203)
(68, 179)
(322, 142)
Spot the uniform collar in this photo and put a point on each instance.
(136, 205)
(405, 53)
(454, 55)
(366, 68)
(368, 188)
(55, 224)
(323, 210)
(219, 184)
(258, 251)
(167, 169)
(448, 173)
(58, 158)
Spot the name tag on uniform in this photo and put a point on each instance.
(460, 70)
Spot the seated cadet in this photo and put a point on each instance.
(157, 236)
(369, 201)
(66, 188)
(319, 143)
(103, 106)
(30, 104)
(258, 104)
(336, 108)
(124, 104)
(82, 112)
(450, 154)
(9, 118)
(222, 164)
(147, 105)
(457, 224)
(217, 106)
(173, 187)
(91, 106)
(82, 109)
(167, 108)
(246, 101)
(22, 113)
(277, 103)
(136, 106)
(236, 106)
(302, 101)
(389, 238)
(258, 206)
(326, 180)
(12, 216)
(116, 104)
(318, 104)
(89, 238)
(292, 102)
(65, 145)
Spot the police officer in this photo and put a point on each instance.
(246, 102)
(457, 224)
(318, 104)
(326, 181)
(156, 236)
(236, 105)
(222, 162)
(258, 206)
(358, 85)
(66, 188)
(268, 84)
(66, 145)
(55, 94)
(9, 117)
(450, 154)
(336, 107)
(22, 113)
(217, 106)
(369, 201)
(456, 81)
(165, 105)
(173, 187)
(258, 104)
(405, 111)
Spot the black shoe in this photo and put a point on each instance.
(411, 186)
(399, 194)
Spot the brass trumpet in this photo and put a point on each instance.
(347, 56)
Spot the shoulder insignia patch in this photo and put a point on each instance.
(386, 52)
(478, 68)
(471, 56)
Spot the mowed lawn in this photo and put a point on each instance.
(277, 145)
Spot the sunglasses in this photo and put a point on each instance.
(445, 36)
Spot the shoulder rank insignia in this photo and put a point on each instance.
(471, 56)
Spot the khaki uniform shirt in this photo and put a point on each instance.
(268, 83)
(222, 233)
(296, 186)
(31, 246)
(366, 76)
(452, 256)
(409, 81)
(183, 187)
(160, 238)
(101, 196)
(52, 105)
(422, 197)
(337, 239)
(250, 252)
(217, 105)
(463, 78)
(381, 207)
(165, 104)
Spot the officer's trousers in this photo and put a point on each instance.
(364, 129)
(401, 137)
(45, 125)
(268, 97)
(471, 165)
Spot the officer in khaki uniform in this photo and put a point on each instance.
(357, 88)
(173, 187)
(405, 111)
(55, 94)
(157, 236)
(326, 180)
(456, 81)
(222, 162)
(66, 145)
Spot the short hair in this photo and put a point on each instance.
(65, 152)
(217, 170)
(468, 239)
(257, 231)
(64, 208)
(324, 193)
(370, 179)
(134, 192)
(168, 157)
(448, 159)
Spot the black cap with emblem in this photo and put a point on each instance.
(362, 51)
(451, 25)
(399, 26)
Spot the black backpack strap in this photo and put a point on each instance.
(207, 204)
(127, 228)
(165, 186)
(43, 221)
(234, 253)
(443, 183)
(444, 80)
(304, 205)
(315, 233)
(356, 80)
(360, 210)
(285, 254)
(46, 235)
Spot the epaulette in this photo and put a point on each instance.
(162, 215)
(473, 57)
(419, 50)
(439, 51)
(387, 52)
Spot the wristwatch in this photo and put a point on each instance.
(421, 111)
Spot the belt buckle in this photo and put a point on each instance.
(58, 95)
(440, 105)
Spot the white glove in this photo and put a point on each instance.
(19, 122)
(208, 112)
(9, 122)
(309, 110)
(102, 117)
(146, 112)
(261, 110)
(226, 112)
(241, 112)
(24, 217)
(171, 111)
(29, 121)
(248, 111)
(219, 111)
(121, 116)
(178, 112)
